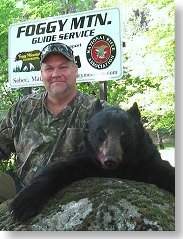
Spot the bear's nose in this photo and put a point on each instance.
(110, 163)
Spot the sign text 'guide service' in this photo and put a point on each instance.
(94, 36)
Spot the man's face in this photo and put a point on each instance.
(59, 75)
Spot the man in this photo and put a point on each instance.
(44, 127)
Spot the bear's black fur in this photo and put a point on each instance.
(115, 145)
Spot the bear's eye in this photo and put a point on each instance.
(101, 134)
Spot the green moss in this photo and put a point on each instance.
(107, 197)
(3, 209)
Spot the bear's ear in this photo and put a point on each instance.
(97, 106)
(134, 112)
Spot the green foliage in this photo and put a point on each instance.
(7, 164)
(90, 88)
(149, 58)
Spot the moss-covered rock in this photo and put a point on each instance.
(101, 204)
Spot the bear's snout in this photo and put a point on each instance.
(110, 163)
(107, 161)
(110, 153)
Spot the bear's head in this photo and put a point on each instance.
(17, 58)
(113, 136)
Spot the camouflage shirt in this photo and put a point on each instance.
(37, 137)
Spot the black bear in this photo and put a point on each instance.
(115, 145)
(30, 58)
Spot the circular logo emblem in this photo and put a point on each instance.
(101, 51)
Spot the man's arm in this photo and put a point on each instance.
(6, 134)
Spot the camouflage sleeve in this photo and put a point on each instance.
(6, 134)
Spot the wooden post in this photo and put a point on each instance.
(103, 90)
